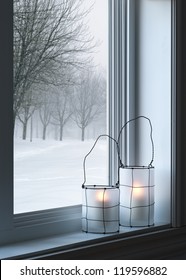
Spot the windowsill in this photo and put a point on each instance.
(33, 249)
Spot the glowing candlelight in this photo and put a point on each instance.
(138, 191)
(103, 202)
(102, 196)
(139, 199)
(100, 209)
(137, 196)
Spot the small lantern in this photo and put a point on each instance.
(100, 207)
(137, 191)
(137, 196)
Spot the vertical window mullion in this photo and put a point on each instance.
(174, 218)
(131, 82)
(117, 76)
(178, 108)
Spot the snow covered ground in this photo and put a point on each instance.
(49, 174)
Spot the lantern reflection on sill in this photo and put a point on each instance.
(137, 196)
(100, 209)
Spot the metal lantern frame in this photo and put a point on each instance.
(100, 216)
(136, 196)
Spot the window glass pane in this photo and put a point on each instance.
(60, 100)
(153, 84)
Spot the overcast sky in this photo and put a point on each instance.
(98, 24)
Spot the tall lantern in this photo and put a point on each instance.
(137, 190)
(100, 206)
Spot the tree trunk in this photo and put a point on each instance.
(37, 128)
(31, 129)
(61, 133)
(44, 132)
(82, 134)
(55, 132)
(24, 130)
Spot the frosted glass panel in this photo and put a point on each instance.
(137, 199)
(100, 209)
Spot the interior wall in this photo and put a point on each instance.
(153, 91)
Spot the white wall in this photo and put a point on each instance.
(153, 87)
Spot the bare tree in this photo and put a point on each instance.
(48, 36)
(28, 107)
(45, 111)
(88, 100)
(62, 111)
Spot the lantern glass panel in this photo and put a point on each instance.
(140, 177)
(100, 210)
(99, 196)
(137, 199)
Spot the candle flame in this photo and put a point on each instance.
(102, 196)
(138, 190)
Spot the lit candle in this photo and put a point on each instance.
(139, 200)
(102, 196)
(136, 196)
(101, 210)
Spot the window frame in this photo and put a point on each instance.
(26, 226)
(178, 114)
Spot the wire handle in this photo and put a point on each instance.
(152, 143)
(84, 161)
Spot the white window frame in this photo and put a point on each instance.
(32, 225)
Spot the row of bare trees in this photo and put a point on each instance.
(52, 74)
(82, 103)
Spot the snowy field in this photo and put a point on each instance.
(49, 174)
